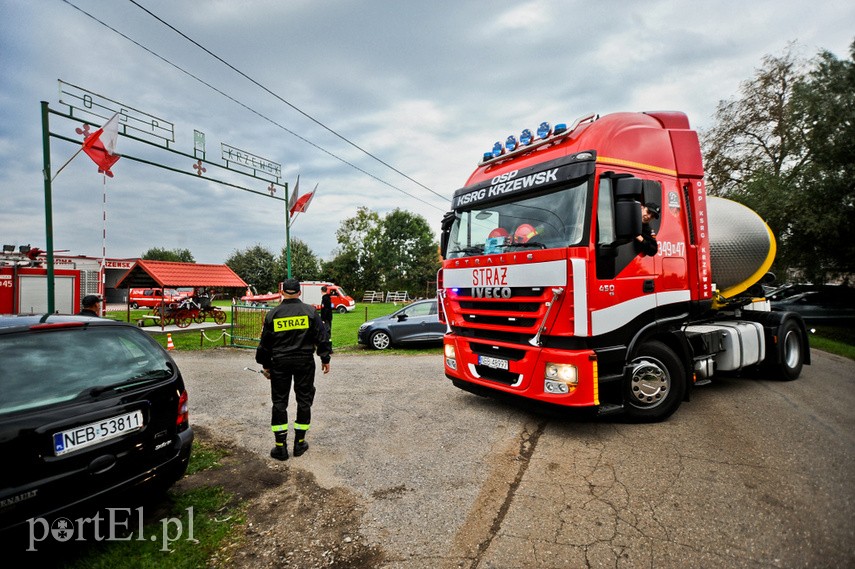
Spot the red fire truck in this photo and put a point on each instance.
(546, 294)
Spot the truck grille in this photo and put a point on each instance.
(519, 314)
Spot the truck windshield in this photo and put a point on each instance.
(546, 221)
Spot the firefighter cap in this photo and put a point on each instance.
(291, 286)
(653, 209)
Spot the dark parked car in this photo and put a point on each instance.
(88, 407)
(817, 304)
(415, 323)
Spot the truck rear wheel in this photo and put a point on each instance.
(656, 384)
(791, 351)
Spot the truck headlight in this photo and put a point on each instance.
(450, 356)
(560, 378)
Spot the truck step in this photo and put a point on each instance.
(609, 409)
(705, 381)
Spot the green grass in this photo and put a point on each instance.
(836, 340)
(204, 457)
(166, 542)
(344, 330)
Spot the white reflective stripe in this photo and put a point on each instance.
(580, 297)
(475, 374)
(548, 273)
(613, 317)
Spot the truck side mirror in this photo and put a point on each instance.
(628, 193)
(447, 222)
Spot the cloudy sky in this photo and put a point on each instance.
(333, 89)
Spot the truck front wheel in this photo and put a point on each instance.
(655, 384)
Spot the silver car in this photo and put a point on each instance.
(415, 323)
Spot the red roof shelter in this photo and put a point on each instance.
(168, 274)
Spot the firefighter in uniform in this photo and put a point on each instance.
(646, 241)
(291, 335)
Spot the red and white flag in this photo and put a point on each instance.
(293, 199)
(100, 146)
(303, 202)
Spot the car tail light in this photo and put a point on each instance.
(182, 421)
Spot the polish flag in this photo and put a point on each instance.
(302, 204)
(100, 146)
(293, 201)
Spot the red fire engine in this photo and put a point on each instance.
(547, 295)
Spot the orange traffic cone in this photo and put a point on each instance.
(169, 344)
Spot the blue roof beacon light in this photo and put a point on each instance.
(560, 128)
(487, 156)
(511, 143)
(526, 138)
(544, 130)
(497, 149)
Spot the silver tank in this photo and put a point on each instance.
(742, 246)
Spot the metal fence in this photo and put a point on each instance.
(247, 322)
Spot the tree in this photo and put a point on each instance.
(256, 266)
(174, 255)
(407, 252)
(784, 149)
(395, 252)
(825, 203)
(305, 265)
(357, 237)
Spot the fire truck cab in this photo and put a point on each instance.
(547, 295)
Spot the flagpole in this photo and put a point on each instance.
(67, 162)
(287, 238)
(48, 208)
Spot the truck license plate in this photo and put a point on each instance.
(94, 433)
(494, 363)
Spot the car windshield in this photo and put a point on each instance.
(50, 367)
(419, 309)
(545, 221)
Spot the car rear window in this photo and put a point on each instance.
(52, 366)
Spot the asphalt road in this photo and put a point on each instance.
(749, 473)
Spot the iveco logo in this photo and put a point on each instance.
(491, 292)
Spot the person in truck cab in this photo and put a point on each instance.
(646, 241)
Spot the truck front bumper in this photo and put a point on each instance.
(561, 377)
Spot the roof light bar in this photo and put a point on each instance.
(545, 134)
(511, 143)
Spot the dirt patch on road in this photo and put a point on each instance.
(291, 520)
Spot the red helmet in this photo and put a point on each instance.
(498, 232)
(524, 232)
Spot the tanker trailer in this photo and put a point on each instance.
(744, 333)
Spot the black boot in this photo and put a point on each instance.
(280, 451)
(300, 444)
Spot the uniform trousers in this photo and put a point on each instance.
(300, 370)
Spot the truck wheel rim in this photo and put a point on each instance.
(649, 383)
(792, 349)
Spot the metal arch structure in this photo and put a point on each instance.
(93, 109)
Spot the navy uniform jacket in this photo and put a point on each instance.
(292, 330)
(648, 244)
